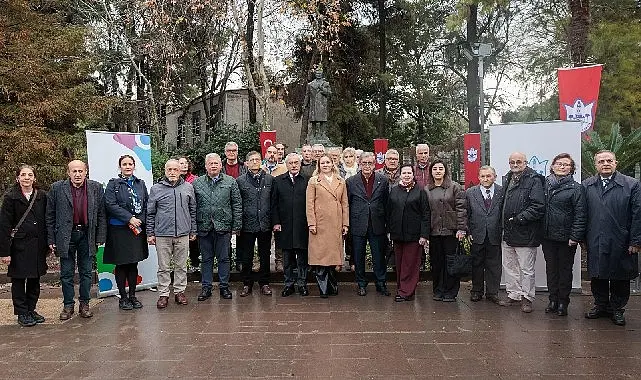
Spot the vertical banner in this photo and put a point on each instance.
(579, 93)
(267, 139)
(380, 147)
(103, 151)
(472, 146)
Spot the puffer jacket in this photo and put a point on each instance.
(256, 195)
(565, 210)
(219, 205)
(523, 209)
(447, 208)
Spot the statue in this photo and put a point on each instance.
(316, 96)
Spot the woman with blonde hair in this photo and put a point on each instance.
(328, 221)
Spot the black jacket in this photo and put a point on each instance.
(29, 247)
(408, 214)
(565, 210)
(256, 195)
(363, 210)
(523, 209)
(119, 202)
(614, 223)
(288, 210)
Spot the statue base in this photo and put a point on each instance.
(320, 139)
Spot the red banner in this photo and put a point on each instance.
(579, 93)
(380, 147)
(472, 147)
(267, 139)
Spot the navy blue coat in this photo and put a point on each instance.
(119, 203)
(614, 223)
(362, 210)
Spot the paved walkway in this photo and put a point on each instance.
(341, 337)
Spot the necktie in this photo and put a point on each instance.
(606, 181)
(487, 200)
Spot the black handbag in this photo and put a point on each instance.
(460, 263)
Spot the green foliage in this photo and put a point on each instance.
(626, 148)
(548, 109)
(247, 140)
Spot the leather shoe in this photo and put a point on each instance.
(597, 312)
(562, 310)
(204, 295)
(135, 303)
(26, 320)
(84, 311)
(302, 290)
(247, 290)
(181, 299)
(552, 307)
(493, 298)
(383, 291)
(37, 317)
(399, 298)
(125, 304)
(266, 290)
(618, 318)
(162, 302)
(225, 293)
(510, 302)
(362, 291)
(475, 297)
(287, 291)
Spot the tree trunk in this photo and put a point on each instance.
(249, 38)
(472, 82)
(382, 50)
(579, 30)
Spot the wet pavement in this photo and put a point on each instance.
(346, 336)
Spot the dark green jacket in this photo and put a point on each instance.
(218, 205)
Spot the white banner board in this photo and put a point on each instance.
(540, 142)
(103, 151)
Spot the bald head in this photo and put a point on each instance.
(518, 162)
(77, 172)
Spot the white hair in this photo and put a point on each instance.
(391, 152)
(318, 146)
(290, 156)
(210, 156)
(170, 162)
(419, 146)
(231, 144)
(349, 150)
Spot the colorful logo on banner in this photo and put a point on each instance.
(267, 139)
(139, 144)
(538, 165)
(380, 147)
(472, 146)
(579, 93)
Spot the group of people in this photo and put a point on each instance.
(317, 206)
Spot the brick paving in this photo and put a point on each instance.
(341, 337)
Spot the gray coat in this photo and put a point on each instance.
(171, 209)
(362, 210)
(481, 222)
(256, 197)
(614, 223)
(60, 216)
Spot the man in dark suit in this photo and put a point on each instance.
(289, 218)
(613, 237)
(484, 229)
(76, 224)
(367, 193)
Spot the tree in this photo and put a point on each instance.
(626, 148)
(579, 30)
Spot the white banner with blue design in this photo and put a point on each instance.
(103, 151)
(540, 142)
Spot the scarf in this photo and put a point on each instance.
(407, 187)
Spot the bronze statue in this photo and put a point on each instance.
(316, 96)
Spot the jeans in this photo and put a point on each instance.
(376, 245)
(214, 244)
(78, 247)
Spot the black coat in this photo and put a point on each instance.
(565, 211)
(362, 210)
(481, 222)
(29, 248)
(289, 210)
(408, 213)
(256, 201)
(614, 223)
(523, 209)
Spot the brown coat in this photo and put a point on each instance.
(328, 210)
(448, 208)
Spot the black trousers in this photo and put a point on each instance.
(245, 244)
(295, 259)
(326, 279)
(126, 276)
(443, 284)
(559, 259)
(610, 295)
(194, 253)
(24, 294)
(486, 268)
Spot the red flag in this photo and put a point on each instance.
(472, 147)
(380, 147)
(579, 93)
(267, 139)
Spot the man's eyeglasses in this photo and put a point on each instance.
(363, 163)
(517, 162)
(608, 160)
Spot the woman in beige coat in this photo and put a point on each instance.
(328, 220)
